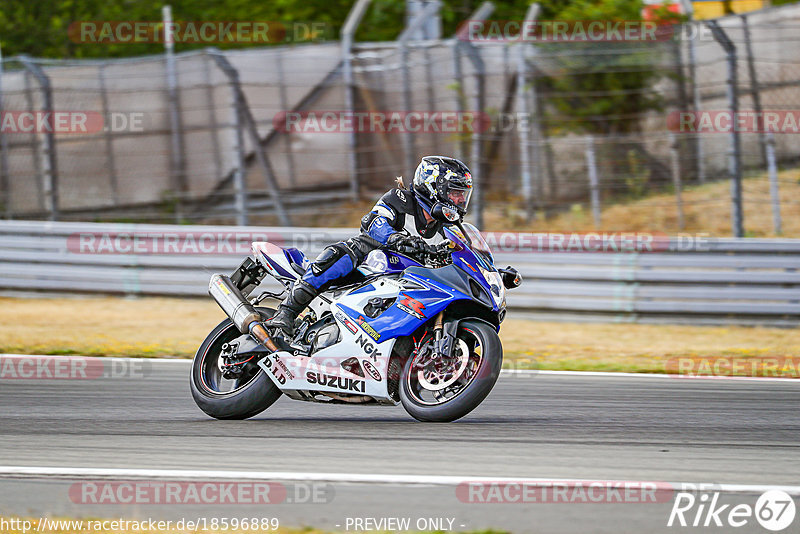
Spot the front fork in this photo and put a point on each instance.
(444, 335)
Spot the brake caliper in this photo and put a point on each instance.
(230, 363)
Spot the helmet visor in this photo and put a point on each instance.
(459, 196)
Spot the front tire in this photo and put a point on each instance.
(476, 379)
(229, 399)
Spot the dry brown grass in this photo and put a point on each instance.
(706, 211)
(640, 348)
(176, 327)
(106, 326)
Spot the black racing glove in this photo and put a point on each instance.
(406, 244)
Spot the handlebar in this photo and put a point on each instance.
(440, 256)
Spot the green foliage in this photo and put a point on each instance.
(39, 28)
(603, 87)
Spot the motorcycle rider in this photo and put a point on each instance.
(402, 220)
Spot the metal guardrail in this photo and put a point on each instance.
(746, 281)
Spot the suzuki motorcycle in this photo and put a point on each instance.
(420, 331)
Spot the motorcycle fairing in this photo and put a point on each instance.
(419, 293)
(297, 375)
(278, 261)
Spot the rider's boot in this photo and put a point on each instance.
(299, 297)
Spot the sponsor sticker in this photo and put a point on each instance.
(368, 328)
(411, 306)
(347, 322)
(371, 370)
(368, 348)
(337, 382)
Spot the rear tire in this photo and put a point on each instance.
(479, 384)
(255, 394)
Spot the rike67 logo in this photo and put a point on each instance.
(774, 510)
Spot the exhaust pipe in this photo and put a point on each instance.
(241, 312)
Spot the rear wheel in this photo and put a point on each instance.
(435, 389)
(249, 394)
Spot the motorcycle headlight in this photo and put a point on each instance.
(495, 281)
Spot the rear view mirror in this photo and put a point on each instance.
(511, 277)
(442, 212)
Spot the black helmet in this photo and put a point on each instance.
(440, 179)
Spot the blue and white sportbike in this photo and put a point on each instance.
(421, 331)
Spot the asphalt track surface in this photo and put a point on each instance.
(737, 433)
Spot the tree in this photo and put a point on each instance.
(40, 28)
(603, 87)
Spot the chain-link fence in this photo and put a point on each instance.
(275, 133)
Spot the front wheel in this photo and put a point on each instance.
(433, 389)
(247, 395)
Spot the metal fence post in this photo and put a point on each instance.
(249, 122)
(409, 148)
(430, 91)
(49, 174)
(754, 89)
(348, 32)
(772, 168)
(239, 175)
(735, 156)
(675, 160)
(178, 161)
(36, 147)
(458, 74)
(212, 115)
(594, 183)
(477, 164)
(109, 142)
(698, 139)
(411, 30)
(284, 100)
(522, 106)
(688, 8)
(5, 180)
(240, 193)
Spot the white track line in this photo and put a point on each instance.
(504, 372)
(349, 478)
(603, 374)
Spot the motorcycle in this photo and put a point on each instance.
(403, 328)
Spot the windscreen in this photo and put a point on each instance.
(479, 244)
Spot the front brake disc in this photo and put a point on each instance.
(434, 379)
